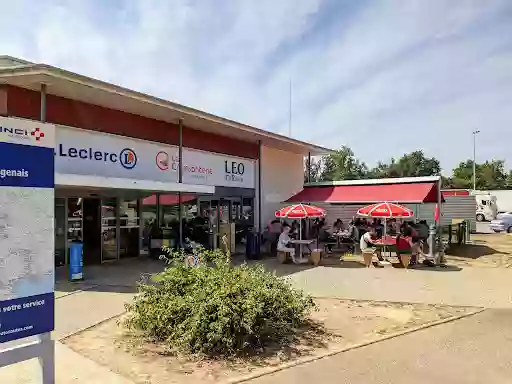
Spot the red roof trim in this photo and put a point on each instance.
(373, 193)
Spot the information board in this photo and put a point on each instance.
(26, 228)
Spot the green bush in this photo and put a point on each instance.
(219, 309)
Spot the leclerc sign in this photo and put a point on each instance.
(26, 228)
(93, 153)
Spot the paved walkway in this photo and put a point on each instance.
(109, 287)
(482, 287)
(79, 306)
(477, 349)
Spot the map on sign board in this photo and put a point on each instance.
(26, 243)
(27, 182)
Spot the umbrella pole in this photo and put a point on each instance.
(300, 238)
(385, 230)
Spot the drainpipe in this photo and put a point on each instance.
(180, 179)
(309, 167)
(440, 259)
(260, 227)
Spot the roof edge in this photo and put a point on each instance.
(48, 70)
(393, 180)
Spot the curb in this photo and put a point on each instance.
(77, 291)
(306, 360)
(81, 330)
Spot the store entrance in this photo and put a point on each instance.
(91, 209)
(108, 228)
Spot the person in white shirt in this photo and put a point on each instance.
(367, 247)
(284, 240)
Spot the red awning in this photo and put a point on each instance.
(372, 193)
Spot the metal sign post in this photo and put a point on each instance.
(27, 278)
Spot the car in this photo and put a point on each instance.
(502, 223)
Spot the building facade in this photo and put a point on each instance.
(130, 167)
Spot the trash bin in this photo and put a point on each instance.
(252, 245)
(76, 261)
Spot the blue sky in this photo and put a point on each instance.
(383, 77)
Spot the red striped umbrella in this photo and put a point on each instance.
(385, 210)
(300, 211)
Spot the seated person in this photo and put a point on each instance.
(392, 227)
(423, 230)
(366, 243)
(403, 244)
(415, 244)
(338, 225)
(284, 241)
(326, 237)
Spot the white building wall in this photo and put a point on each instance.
(282, 176)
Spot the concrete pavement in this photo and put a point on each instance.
(78, 306)
(480, 287)
(107, 288)
(71, 368)
(476, 349)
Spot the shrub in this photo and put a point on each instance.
(222, 309)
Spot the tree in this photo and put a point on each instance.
(342, 165)
(312, 170)
(489, 175)
(414, 164)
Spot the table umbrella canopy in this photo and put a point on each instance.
(385, 210)
(300, 211)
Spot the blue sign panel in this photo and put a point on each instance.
(26, 316)
(27, 197)
(76, 262)
(26, 166)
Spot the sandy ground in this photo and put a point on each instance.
(487, 251)
(345, 322)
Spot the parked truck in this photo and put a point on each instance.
(486, 205)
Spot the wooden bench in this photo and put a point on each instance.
(315, 257)
(283, 256)
(404, 257)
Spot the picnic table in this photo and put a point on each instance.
(300, 244)
(385, 241)
(389, 243)
(340, 235)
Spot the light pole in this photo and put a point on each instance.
(474, 158)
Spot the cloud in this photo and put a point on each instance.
(384, 77)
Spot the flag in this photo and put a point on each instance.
(436, 214)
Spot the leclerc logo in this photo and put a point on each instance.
(127, 157)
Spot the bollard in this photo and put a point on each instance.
(432, 242)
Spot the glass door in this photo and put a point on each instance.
(75, 223)
(129, 228)
(60, 231)
(226, 232)
(109, 230)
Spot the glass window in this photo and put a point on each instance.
(148, 219)
(60, 231)
(109, 229)
(129, 228)
(74, 219)
(248, 210)
(168, 219)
